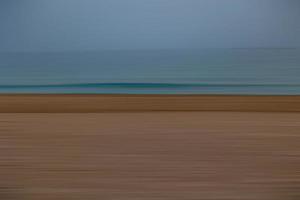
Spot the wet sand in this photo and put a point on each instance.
(150, 156)
(145, 103)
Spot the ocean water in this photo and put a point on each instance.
(205, 71)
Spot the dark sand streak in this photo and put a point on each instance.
(143, 103)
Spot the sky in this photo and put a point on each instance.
(79, 25)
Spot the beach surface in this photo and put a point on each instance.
(160, 153)
(22, 103)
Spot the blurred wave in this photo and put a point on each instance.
(152, 88)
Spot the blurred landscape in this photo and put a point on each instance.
(149, 100)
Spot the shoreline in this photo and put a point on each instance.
(97, 103)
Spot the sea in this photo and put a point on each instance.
(260, 71)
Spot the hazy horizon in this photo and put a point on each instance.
(145, 49)
(96, 25)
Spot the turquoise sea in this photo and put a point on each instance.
(203, 71)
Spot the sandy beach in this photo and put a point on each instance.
(102, 147)
(144, 103)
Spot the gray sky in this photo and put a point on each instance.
(59, 25)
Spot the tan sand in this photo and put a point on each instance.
(129, 152)
(151, 155)
(137, 103)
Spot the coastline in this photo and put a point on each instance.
(94, 103)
